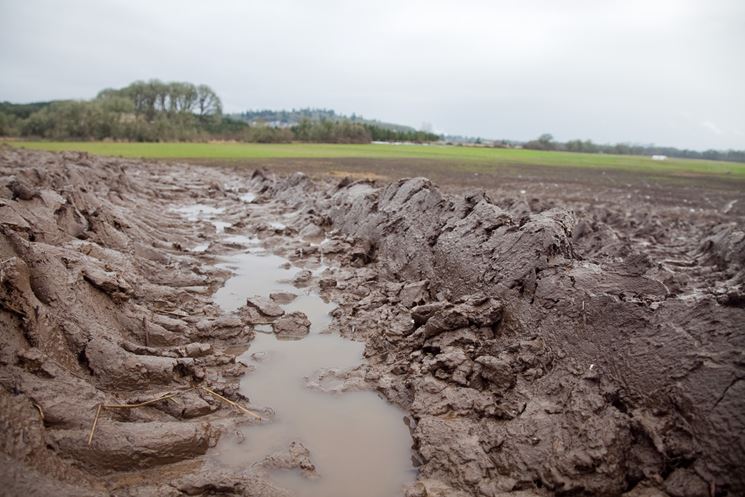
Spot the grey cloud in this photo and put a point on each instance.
(642, 71)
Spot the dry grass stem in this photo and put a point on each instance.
(234, 404)
(95, 421)
(164, 396)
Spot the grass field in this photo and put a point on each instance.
(458, 156)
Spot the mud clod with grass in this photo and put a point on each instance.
(537, 346)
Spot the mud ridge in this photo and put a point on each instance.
(541, 349)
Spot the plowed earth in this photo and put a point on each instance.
(548, 336)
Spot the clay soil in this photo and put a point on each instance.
(547, 331)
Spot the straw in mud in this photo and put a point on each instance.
(164, 396)
(41, 413)
(234, 404)
(95, 422)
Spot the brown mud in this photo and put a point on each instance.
(572, 341)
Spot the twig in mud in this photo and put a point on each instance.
(176, 313)
(41, 413)
(164, 396)
(234, 404)
(584, 316)
(93, 428)
(147, 332)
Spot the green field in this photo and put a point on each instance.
(452, 154)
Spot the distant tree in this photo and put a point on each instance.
(622, 149)
(580, 146)
(302, 130)
(543, 142)
(546, 140)
(8, 124)
(208, 103)
(267, 134)
(115, 103)
(328, 131)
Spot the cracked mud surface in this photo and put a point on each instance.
(539, 346)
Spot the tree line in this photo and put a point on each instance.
(546, 142)
(153, 111)
(290, 118)
(143, 111)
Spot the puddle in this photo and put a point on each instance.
(358, 442)
(202, 247)
(244, 240)
(248, 197)
(195, 212)
(255, 273)
(221, 225)
(263, 328)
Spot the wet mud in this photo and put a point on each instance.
(171, 330)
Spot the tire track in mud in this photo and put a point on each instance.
(351, 441)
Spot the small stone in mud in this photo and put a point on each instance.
(311, 231)
(265, 306)
(282, 297)
(252, 315)
(259, 356)
(197, 349)
(296, 457)
(421, 313)
(414, 293)
(22, 190)
(263, 328)
(497, 371)
(239, 437)
(294, 325)
(327, 283)
(230, 321)
(684, 482)
(303, 277)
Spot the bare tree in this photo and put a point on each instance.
(208, 103)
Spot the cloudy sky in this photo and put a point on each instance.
(664, 71)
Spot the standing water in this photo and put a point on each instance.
(358, 442)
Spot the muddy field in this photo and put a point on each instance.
(176, 329)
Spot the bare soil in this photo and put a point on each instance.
(548, 331)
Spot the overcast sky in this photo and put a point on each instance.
(670, 72)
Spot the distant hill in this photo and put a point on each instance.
(22, 111)
(289, 118)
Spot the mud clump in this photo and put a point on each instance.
(292, 326)
(265, 306)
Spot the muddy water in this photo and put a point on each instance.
(358, 442)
